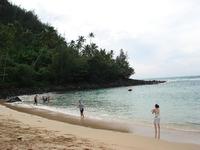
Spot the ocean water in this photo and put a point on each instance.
(179, 100)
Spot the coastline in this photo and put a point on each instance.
(97, 128)
(9, 91)
(75, 120)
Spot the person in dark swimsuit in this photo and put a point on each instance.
(36, 100)
(81, 107)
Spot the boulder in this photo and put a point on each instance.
(14, 99)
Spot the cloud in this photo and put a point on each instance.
(161, 37)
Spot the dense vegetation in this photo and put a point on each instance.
(34, 54)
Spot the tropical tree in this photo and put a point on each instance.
(80, 42)
(125, 71)
(33, 53)
(91, 35)
(72, 44)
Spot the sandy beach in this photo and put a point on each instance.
(27, 130)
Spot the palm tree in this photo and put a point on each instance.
(94, 46)
(91, 35)
(72, 43)
(80, 42)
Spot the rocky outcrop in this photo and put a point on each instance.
(13, 99)
(15, 91)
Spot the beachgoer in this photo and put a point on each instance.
(36, 99)
(156, 122)
(81, 107)
(48, 99)
(45, 99)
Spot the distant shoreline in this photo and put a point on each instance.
(9, 91)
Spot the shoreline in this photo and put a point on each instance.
(9, 91)
(171, 135)
(57, 116)
(93, 138)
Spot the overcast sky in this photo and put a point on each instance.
(161, 37)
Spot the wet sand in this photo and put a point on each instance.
(87, 122)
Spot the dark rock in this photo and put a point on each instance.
(14, 99)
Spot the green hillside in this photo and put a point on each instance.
(33, 53)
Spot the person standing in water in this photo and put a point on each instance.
(81, 107)
(36, 99)
(156, 122)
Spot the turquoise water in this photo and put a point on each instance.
(179, 100)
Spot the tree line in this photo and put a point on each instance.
(33, 53)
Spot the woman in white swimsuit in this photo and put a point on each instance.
(156, 122)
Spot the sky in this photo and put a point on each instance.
(161, 37)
